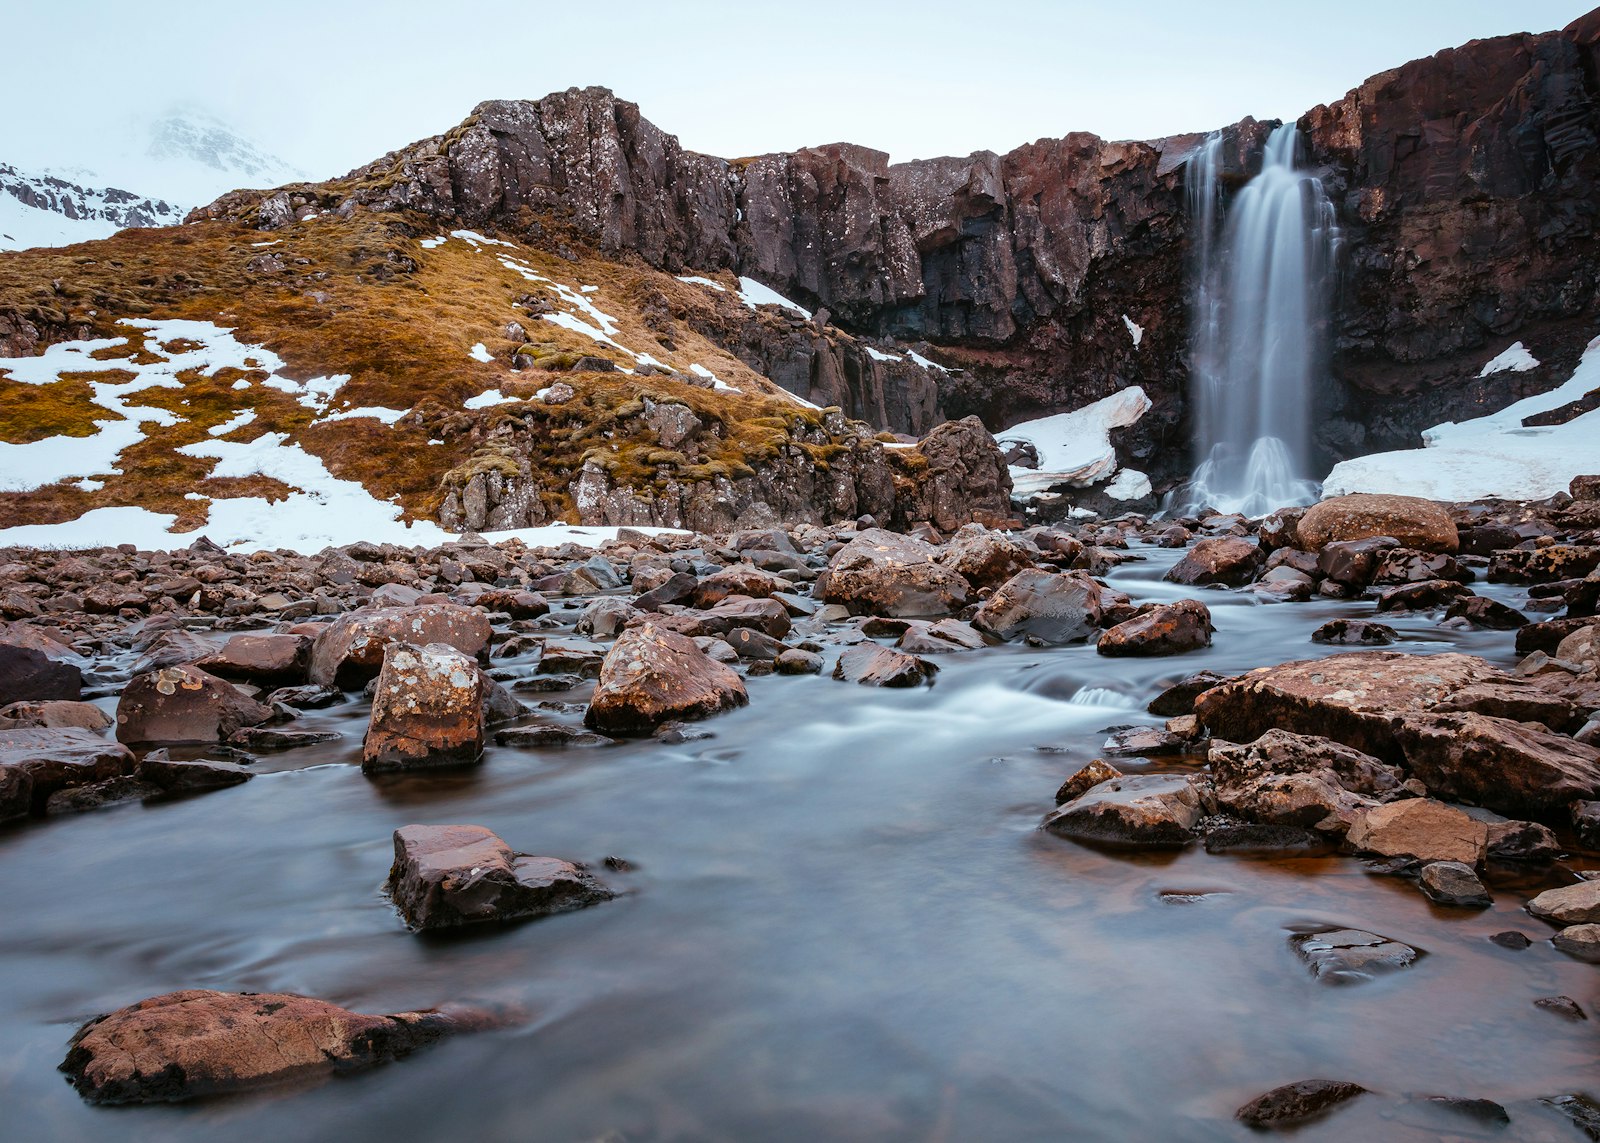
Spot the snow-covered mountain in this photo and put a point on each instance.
(171, 164)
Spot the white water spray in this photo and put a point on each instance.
(1259, 328)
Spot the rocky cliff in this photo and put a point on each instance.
(1054, 274)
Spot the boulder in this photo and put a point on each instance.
(1354, 697)
(738, 579)
(986, 558)
(270, 660)
(1414, 522)
(349, 651)
(1295, 1103)
(940, 637)
(54, 715)
(1581, 942)
(1179, 698)
(1143, 811)
(173, 776)
(1166, 629)
(1354, 563)
(1227, 560)
(1045, 607)
(875, 666)
(35, 763)
(1577, 904)
(1351, 956)
(427, 710)
(885, 573)
(1420, 828)
(27, 674)
(652, 675)
(768, 615)
(186, 1045)
(451, 875)
(1549, 564)
(184, 704)
(1279, 752)
(1355, 632)
(1509, 767)
(1455, 884)
(1485, 613)
(1086, 779)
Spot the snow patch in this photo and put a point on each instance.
(697, 280)
(1129, 484)
(376, 412)
(477, 240)
(239, 420)
(1074, 448)
(1135, 330)
(434, 243)
(752, 293)
(879, 355)
(1515, 359)
(924, 362)
(488, 398)
(480, 352)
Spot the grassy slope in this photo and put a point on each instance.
(368, 301)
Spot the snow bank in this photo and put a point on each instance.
(1516, 359)
(752, 293)
(1493, 456)
(1074, 448)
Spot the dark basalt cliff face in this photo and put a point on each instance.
(1465, 185)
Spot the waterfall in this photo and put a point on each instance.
(1258, 327)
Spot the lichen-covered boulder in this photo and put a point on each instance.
(653, 675)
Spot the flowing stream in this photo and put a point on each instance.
(1261, 271)
(843, 925)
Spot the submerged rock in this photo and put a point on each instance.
(185, 1045)
(1350, 956)
(446, 876)
(1153, 810)
(1295, 1103)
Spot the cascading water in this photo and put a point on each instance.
(1258, 328)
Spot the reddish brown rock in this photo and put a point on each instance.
(270, 660)
(350, 650)
(1086, 779)
(1047, 607)
(652, 675)
(940, 637)
(1420, 828)
(738, 579)
(54, 715)
(427, 710)
(187, 1045)
(452, 875)
(986, 558)
(1414, 522)
(27, 674)
(1144, 811)
(35, 764)
(1166, 629)
(735, 612)
(884, 573)
(875, 666)
(1509, 767)
(1222, 559)
(184, 704)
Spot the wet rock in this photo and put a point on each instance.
(350, 650)
(1586, 823)
(1279, 752)
(603, 618)
(1407, 565)
(884, 573)
(99, 796)
(1429, 595)
(1046, 607)
(1256, 838)
(191, 1044)
(51, 715)
(1353, 563)
(1355, 632)
(1485, 613)
(1354, 697)
(1581, 942)
(738, 579)
(1295, 1103)
(1509, 767)
(1543, 565)
(1143, 811)
(678, 588)
(312, 696)
(1582, 1111)
(1485, 1111)
(1179, 699)
(172, 776)
(1563, 1006)
(171, 649)
(1453, 883)
(1086, 779)
(517, 604)
(451, 875)
(749, 643)
(796, 661)
(1144, 741)
(1350, 956)
(1423, 829)
(34, 764)
(1414, 522)
(269, 660)
(940, 637)
(29, 675)
(427, 710)
(184, 704)
(551, 734)
(875, 666)
(1225, 560)
(1577, 904)
(1522, 841)
(731, 614)
(280, 737)
(652, 675)
(1511, 939)
(985, 558)
(1166, 629)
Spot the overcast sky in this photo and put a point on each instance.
(329, 86)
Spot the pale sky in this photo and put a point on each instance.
(329, 86)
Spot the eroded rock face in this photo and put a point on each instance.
(186, 1045)
(452, 875)
(1410, 520)
(350, 650)
(427, 710)
(184, 704)
(653, 675)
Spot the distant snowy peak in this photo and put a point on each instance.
(209, 143)
(47, 210)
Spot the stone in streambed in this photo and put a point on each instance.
(184, 704)
(884, 573)
(1350, 956)
(875, 666)
(1414, 522)
(1143, 811)
(34, 764)
(1226, 560)
(28, 674)
(427, 710)
(1044, 607)
(1453, 883)
(1355, 632)
(350, 650)
(186, 1045)
(1086, 779)
(653, 675)
(1166, 629)
(1295, 1103)
(1581, 942)
(1423, 829)
(1577, 904)
(54, 715)
(447, 876)
(270, 660)
(172, 776)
